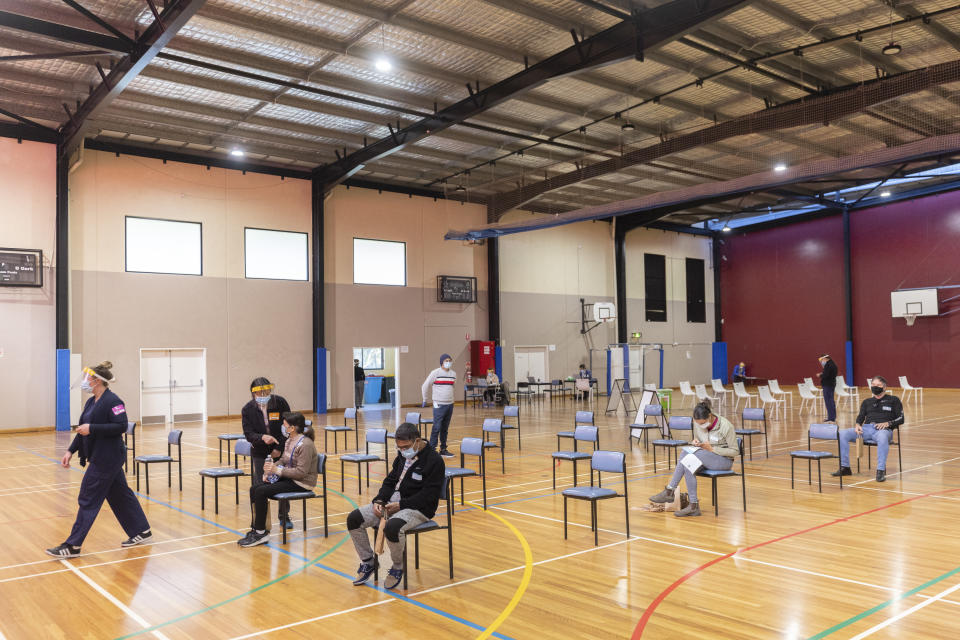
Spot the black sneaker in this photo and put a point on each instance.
(254, 538)
(64, 551)
(446, 454)
(364, 571)
(394, 578)
(140, 538)
(842, 471)
(881, 475)
(246, 537)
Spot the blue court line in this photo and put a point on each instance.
(271, 545)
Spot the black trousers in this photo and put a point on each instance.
(257, 480)
(108, 484)
(830, 402)
(260, 498)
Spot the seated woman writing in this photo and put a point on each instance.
(714, 447)
(296, 470)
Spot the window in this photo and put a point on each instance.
(370, 359)
(696, 291)
(163, 246)
(379, 262)
(275, 255)
(655, 286)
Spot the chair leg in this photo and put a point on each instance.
(819, 479)
(236, 482)
(416, 551)
(216, 495)
(169, 475)
(574, 473)
(553, 467)
(282, 528)
(341, 470)
(654, 457)
(136, 472)
(716, 501)
(304, 502)
(203, 484)
(564, 517)
(146, 476)
(503, 453)
(791, 471)
(596, 524)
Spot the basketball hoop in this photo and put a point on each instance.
(910, 318)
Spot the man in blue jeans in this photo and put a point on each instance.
(878, 415)
(440, 382)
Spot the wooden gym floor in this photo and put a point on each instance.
(878, 560)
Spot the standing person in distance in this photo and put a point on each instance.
(99, 439)
(440, 383)
(262, 419)
(878, 416)
(359, 380)
(828, 383)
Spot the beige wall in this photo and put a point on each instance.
(249, 327)
(370, 315)
(28, 315)
(543, 275)
(687, 345)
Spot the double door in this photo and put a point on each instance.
(173, 385)
(530, 362)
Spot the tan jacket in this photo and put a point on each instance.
(303, 467)
(723, 438)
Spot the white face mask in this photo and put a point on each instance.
(86, 386)
(447, 364)
(407, 453)
(284, 430)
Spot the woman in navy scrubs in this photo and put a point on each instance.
(99, 440)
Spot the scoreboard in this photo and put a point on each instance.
(21, 268)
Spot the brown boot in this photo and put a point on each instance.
(692, 509)
(663, 497)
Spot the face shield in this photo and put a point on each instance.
(85, 379)
(261, 393)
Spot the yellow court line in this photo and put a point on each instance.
(524, 581)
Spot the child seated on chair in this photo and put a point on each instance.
(295, 471)
(714, 447)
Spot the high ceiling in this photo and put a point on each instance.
(295, 83)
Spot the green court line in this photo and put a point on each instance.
(251, 591)
(883, 605)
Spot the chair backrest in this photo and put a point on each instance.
(492, 424)
(350, 413)
(702, 392)
(775, 385)
(585, 433)
(609, 461)
(583, 417)
(685, 388)
(753, 413)
(765, 394)
(653, 410)
(131, 426)
(823, 432)
(531, 379)
(809, 382)
(805, 392)
(413, 417)
(681, 423)
(650, 387)
(556, 383)
(309, 423)
(582, 384)
(471, 446)
(511, 411)
(717, 385)
(376, 436)
(174, 436)
(739, 389)
(322, 464)
(841, 383)
(241, 448)
(903, 382)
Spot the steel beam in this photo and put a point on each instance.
(620, 42)
(63, 32)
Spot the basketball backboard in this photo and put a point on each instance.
(914, 302)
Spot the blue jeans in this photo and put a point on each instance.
(709, 459)
(870, 434)
(441, 423)
(829, 401)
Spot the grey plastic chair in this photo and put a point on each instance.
(600, 461)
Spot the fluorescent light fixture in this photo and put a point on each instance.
(627, 126)
(891, 49)
(383, 64)
(884, 194)
(780, 167)
(237, 153)
(726, 228)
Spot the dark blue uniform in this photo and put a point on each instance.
(104, 478)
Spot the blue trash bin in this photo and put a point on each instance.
(371, 390)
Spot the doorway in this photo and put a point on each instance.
(531, 362)
(173, 385)
(381, 389)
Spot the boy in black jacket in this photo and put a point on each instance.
(409, 497)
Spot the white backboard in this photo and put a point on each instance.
(919, 302)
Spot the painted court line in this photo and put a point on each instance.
(904, 614)
(130, 613)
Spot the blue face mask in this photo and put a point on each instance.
(86, 386)
(284, 430)
(262, 400)
(407, 453)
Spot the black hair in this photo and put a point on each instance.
(702, 411)
(258, 382)
(296, 420)
(583, 366)
(407, 432)
(881, 379)
(103, 370)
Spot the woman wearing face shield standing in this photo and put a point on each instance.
(262, 418)
(99, 440)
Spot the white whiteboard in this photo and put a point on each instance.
(920, 302)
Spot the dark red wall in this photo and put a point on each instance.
(782, 299)
(900, 246)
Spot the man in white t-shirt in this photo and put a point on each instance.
(440, 383)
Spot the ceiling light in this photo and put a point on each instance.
(726, 228)
(460, 187)
(891, 49)
(780, 167)
(627, 126)
(237, 153)
(884, 194)
(383, 64)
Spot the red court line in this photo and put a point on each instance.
(641, 625)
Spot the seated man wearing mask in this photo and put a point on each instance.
(878, 415)
(409, 496)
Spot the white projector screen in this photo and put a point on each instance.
(275, 255)
(379, 262)
(163, 246)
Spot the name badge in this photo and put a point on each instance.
(117, 410)
(888, 408)
(416, 476)
(273, 416)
